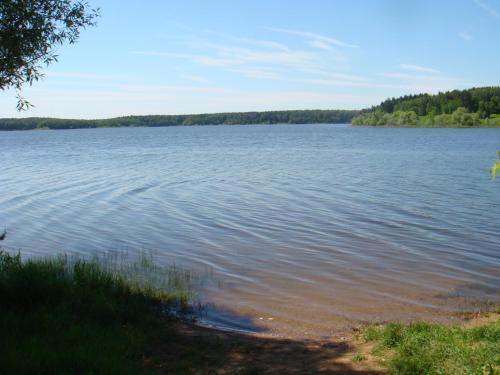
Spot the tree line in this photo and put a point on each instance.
(478, 106)
(270, 117)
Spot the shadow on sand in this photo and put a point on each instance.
(194, 349)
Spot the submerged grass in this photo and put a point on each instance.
(66, 315)
(424, 348)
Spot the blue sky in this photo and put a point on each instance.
(170, 57)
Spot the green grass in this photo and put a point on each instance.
(68, 316)
(358, 358)
(495, 169)
(107, 315)
(423, 348)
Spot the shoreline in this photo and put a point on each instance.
(347, 353)
(68, 315)
(43, 129)
(258, 124)
(341, 331)
(170, 126)
(428, 126)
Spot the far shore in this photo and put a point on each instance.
(230, 118)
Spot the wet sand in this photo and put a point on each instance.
(312, 311)
(221, 352)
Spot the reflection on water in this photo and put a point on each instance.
(309, 227)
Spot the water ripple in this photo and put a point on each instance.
(312, 225)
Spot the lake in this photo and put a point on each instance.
(304, 229)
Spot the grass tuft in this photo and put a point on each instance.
(358, 357)
(423, 348)
(73, 316)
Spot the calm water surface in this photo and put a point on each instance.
(305, 228)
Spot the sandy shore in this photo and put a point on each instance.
(224, 352)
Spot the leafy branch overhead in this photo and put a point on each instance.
(31, 31)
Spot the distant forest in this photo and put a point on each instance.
(271, 117)
(458, 108)
(476, 107)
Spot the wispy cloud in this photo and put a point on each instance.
(86, 76)
(420, 81)
(397, 75)
(314, 66)
(337, 75)
(220, 55)
(317, 61)
(249, 41)
(320, 44)
(466, 36)
(160, 54)
(316, 40)
(160, 99)
(259, 73)
(196, 78)
(492, 11)
(262, 59)
(139, 89)
(418, 68)
(342, 83)
(242, 55)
